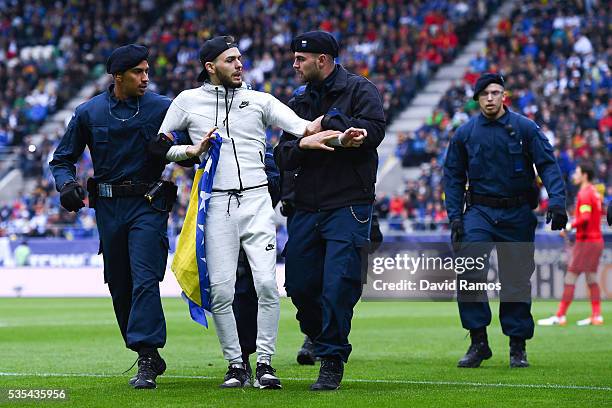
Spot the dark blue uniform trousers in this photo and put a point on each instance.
(134, 244)
(245, 306)
(323, 273)
(512, 232)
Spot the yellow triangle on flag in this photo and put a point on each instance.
(184, 265)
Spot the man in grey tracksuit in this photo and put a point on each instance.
(240, 211)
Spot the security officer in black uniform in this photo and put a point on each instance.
(119, 126)
(334, 192)
(245, 296)
(495, 152)
(306, 353)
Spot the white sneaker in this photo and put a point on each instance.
(553, 321)
(594, 320)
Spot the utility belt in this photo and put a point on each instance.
(161, 194)
(495, 202)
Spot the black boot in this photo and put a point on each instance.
(306, 355)
(518, 354)
(478, 351)
(150, 365)
(330, 375)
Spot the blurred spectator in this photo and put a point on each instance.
(22, 254)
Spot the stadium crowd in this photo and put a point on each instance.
(395, 44)
(49, 50)
(556, 60)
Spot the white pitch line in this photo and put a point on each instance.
(58, 323)
(354, 380)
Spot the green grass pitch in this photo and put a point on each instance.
(404, 354)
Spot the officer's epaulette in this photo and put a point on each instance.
(299, 91)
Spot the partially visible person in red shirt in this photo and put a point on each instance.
(587, 250)
(396, 207)
(605, 123)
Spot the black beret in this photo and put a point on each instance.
(212, 49)
(484, 81)
(126, 57)
(316, 42)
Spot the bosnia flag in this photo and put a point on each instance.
(189, 264)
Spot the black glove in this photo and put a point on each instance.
(610, 214)
(376, 236)
(456, 227)
(558, 217)
(189, 163)
(159, 146)
(72, 196)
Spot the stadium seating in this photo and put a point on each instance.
(399, 52)
(555, 58)
(49, 50)
(397, 45)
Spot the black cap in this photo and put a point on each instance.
(320, 42)
(126, 57)
(484, 81)
(211, 50)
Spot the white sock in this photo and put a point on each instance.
(237, 363)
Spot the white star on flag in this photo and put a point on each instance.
(203, 197)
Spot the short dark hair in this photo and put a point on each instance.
(587, 169)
